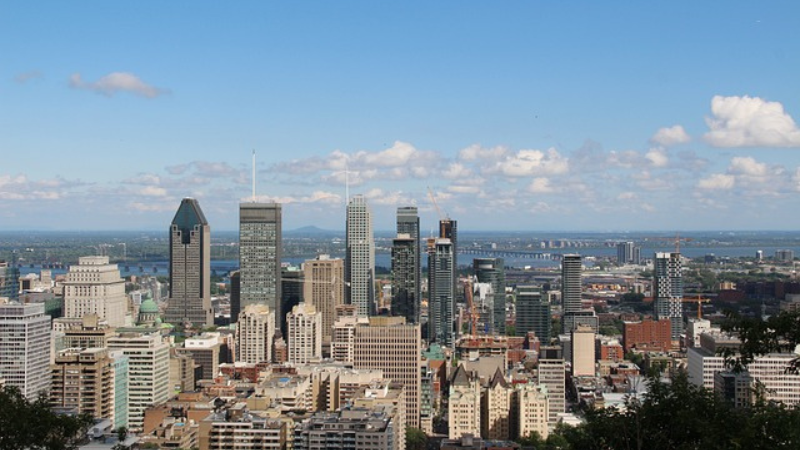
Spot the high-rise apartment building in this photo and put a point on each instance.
(395, 347)
(83, 381)
(255, 330)
(94, 286)
(359, 269)
(448, 229)
(148, 372)
(625, 253)
(205, 351)
(553, 375)
(291, 292)
(260, 252)
(405, 289)
(304, 325)
(25, 340)
(583, 351)
(533, 313)
(464, 404)
(441, 291)
(532, 407)
(668, 290)
(492, 271)
(323, 287)
(574, 313)
(189, 267)
(408, 224)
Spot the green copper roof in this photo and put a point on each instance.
(148, 306)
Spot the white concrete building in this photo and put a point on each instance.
(148, 372)
(552, 374)
(94, 286)
(255, 330)
(304, 326)
(583, 354)
(359, 268)
(533, 409)
(25, 341)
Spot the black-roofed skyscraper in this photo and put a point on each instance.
(189, 267)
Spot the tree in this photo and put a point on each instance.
(416, 439)
(778, 334)
(32, 424)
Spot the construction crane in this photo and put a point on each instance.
(699, 299)
(436, 205)
(676, 239)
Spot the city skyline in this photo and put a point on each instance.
(554, 117)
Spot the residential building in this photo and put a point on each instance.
(323, 287)
(148, 372)
(496, 408)
(441, 291)
(94, 286)
(260, 252)
(359, 268)
(492, 271)
(533, 313)
(625, 253)
(583, 351)
(343, 343)
(668, 290)
(221, 431)
(292, 281)
(305, 334)
(82, 380)
(408, 224)
(405, 277)
(532, 407)
(391, 345)
(464, 404)
(190, 267)
(255, 331)
(648, 335)
(350, 428)
(205, 351)
(25, 340)
(552, 375)
(571, 291)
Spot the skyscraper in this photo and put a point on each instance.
(448, 229)
(408, 223)
(624, 253)
(324, 288)
(574, 313)
(94, 286)
(9, 281)
(291, 293)
(441, 291)
(260, 256)
(359, 269)
(190, 267)
(668, 290)
(533, 313)
(25, 340)
(405, 288)
(492, 271)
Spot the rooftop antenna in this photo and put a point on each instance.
(254, 175)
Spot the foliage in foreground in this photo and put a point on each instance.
(32, 425)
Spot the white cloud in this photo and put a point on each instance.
(114, 82)
(460, 189)
(456, 170)
(669, 136)
(750, 122)
(748, 166)
(627, 196)
(24, 77)
(657, 157)
(153, 191)
(477, 153)
(532, 163)
(540, 185)
(717, 181)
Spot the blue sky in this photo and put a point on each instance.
(518, 115)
